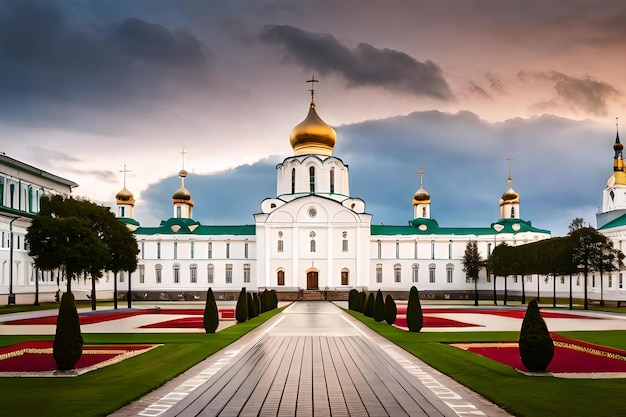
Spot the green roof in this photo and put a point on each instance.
(620, 221)
(180, 226)
(431, 227)
(128, 220)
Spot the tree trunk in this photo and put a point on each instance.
(115, 290)
(93, 293)
(128, 301)
(586, 305)
(523, 291)
(601, 289)
(476, 291)
(495, 297)
(553, 290)
(571, 302)
(538, 284)
(505, 290)
(36, 287)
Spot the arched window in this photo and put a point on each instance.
(158, 271)
(397, 249)
(280, 277)
(179, 212)
(311, 180)
(142, 273)
(415, 269)
(345, 276)
(432, 249)
(210, 272)
(423, 211)
(513, 212)
(431, 273)
(192, 248)
(449, 270)
(176, 273)
(193, 273)
(245, 251)
(246, 272)
(210, 251)
(379, 273)
(175, 250)
(229, 273)
(380, 249)
(280, 245)
(450, 249)
(158, 250)
(332, 180)
(397, 273)
(293, 180)
(312, 236)
(227, 250)
(344, 242)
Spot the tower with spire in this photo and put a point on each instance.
(182, 197)
(614, 195)
(125, 203)
(421, 200)
(509, 203)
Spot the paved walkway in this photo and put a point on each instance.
(312, 360)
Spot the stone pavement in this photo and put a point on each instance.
(311, 360)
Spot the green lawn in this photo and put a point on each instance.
(518, 394)
(105, 390)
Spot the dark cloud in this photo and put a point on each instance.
(476, 90)
(585, 93)
(364, 65)
(465, 159)
(49, 57)
(495, 83)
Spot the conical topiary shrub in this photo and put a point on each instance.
(255, 305)
(241, 310)
(368, 310)
(379, 307)
(414, 316)
(250, 306)
(68, 340)
(352, 299)
(257, 301)
(536, 348)
(274, 299)
(390, 309)
(362, 301)
(211, 315)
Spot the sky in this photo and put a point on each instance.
(465, 90)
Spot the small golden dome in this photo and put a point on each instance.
(313, 136)
(510, 197)
(182, 193)
(619, 178)
(124, 195)
(421, 197)
(182, 173)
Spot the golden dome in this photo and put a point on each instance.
(618, 178)
(125, 197)
(510, 197)
(182, 193)
(182, 173)
(313, 136)
(421, 197)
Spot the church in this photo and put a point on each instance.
(313, 238)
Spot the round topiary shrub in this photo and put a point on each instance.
(379, 307)
(536, 348)
(211, 315)
(414, 316)
(390, 309)
(68, 340)
(241, 310)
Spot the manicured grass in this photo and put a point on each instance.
(105, 390)
(518, 394)
(4, 309)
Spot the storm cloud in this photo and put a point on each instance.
(365, 65)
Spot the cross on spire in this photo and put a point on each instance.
(312, 90)
(124, 171)
(183, 153)
(510, 159)
(421, 173)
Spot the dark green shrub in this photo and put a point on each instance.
(352, 299)
(211, 315)
(263, 301)
(273, 299)
(536, 348)
(68, 340)
(368, 310)
(362, 301)
(250, 306)
(241, 310)
(414, 316)
(257, 306)
(379, 307)
(390, 309)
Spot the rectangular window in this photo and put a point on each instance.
(245, 251)
(158, 276)
(229, 273)
(610, 280)
(228, 251)
(432, 249)
(488, 277)
(379, 274)
(529, 278)
(122, 276)
(210, 251)
(415, 277)
(142, 273)
(397, 275)
(158, 250)
(176, 275)
(380, 249)
(344, 245)
(431, 275)
(449, 276)
(415, 249)
(344, 278)
(143, 247)
(192, 248)
(620, 283)
(515, 279)
(193, 274)
(280, 246)
(450, 250)
(397, 250)
(246, 272)
(175, 250)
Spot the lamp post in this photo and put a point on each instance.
(11, 295)
(498, 228)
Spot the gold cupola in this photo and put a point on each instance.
(510, 196)
(421, 197)
(313, 136)
(125, 197)
(619, 176)
(182, 194)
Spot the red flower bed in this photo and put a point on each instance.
(183, 323)
(570, 356)
(36, 356)
(430, 321)
(91, 318)
(516, 314)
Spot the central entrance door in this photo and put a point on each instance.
(311, 280)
